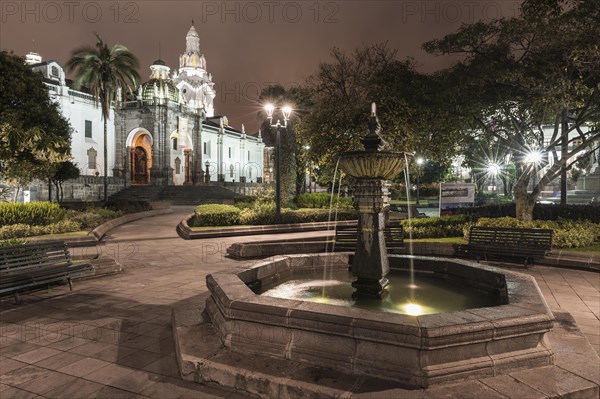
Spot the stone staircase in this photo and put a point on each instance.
(177, 195)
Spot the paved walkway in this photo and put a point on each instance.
(111, 337)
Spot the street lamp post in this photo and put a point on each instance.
(307, 148)
(494, 170)
(419, 162)
(286, 112)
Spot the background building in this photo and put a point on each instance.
(166, 133)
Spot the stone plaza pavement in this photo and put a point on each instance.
(111, 336)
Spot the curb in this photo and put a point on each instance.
(104, 228)
(186, 232)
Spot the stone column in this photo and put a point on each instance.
(370, 264)
(187, 171)
(131, 164)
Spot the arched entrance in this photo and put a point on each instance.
(139, 170)
(140, 156)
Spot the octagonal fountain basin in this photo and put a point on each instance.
(415, 351)
(426, 293)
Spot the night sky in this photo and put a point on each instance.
(247, 44)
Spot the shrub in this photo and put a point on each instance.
(445, 226)
(321, 200)
(128, 206)
(540, 212)
(87, 220)
(306, 215)
(64, 226)
(11, 242)
(216, 215)
(22, 230)
(105, 213)
(93, 217)
(17, 230)
(32, 213)
(309, 215)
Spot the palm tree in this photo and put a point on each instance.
(103, 71)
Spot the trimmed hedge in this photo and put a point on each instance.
(20, 230)
(128, 206)
(567, 233)
(320, 200)
(32, 213)
(445, 226)
(93, 217)
(11, 242)
(540, 212)
(216, 215)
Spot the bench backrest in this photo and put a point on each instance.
(33, 256)
(508, 236)
(347, 236)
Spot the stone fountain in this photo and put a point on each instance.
(286, 347)
(371, 169)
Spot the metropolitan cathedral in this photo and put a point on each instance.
(166, 133)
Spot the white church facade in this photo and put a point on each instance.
(167, 133)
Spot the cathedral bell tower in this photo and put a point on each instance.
(196, 89)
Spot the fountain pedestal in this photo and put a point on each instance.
(370, 169)
(370, 264)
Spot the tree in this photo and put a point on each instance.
(104, 71)
(34, 136)
(409, 109)
(66, 170)
(522, 74)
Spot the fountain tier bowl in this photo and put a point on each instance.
(372, 165)
(415, 351)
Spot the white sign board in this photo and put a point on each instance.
(456, 195)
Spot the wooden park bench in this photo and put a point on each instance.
(346, 237)
(32, 266)
(519, 244)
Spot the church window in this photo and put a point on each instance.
(231, 169)
(54, 72)
(205, 148)
(88, 129)
(248, 155)
(250, 173)
(177, 166)
(175, 143)
(92, 153)
(229, 152)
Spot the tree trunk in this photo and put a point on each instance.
(524, 202)
(105, 162)
(564, 149)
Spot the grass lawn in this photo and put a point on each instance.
(57, 236)
(593, 248)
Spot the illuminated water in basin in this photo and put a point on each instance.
(428, 295)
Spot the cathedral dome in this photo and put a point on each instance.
(159, 62)
(161, 89)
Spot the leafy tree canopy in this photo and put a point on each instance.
(34, 137)
(519, 76)
(413, 115)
